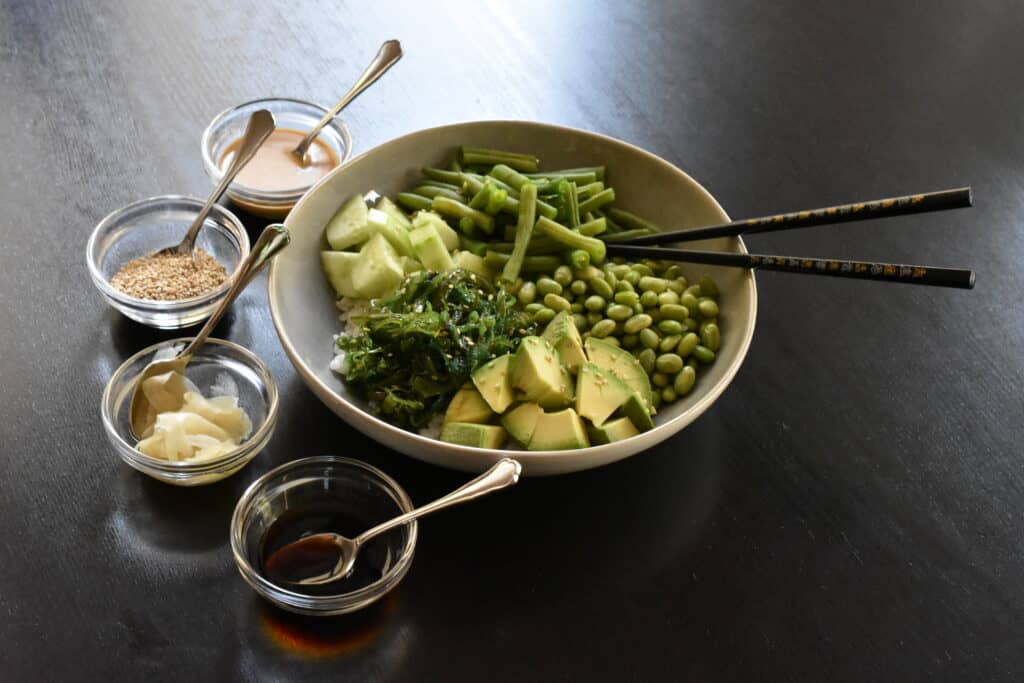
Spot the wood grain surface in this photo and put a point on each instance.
(849, 510)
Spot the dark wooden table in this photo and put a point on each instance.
(850, 509)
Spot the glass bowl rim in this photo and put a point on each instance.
(169, 466)
(103, 284)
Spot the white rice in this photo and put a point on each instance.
(349, 309)
(433, 428)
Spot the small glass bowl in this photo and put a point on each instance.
(369, 496)
(257, 395)
(229, 125)
(152, 224)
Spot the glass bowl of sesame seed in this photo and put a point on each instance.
(166, 292)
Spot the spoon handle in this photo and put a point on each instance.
(504, 473)
(273, 239)
(389, 53)
(260, 126)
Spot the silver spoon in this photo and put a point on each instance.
(273, 239)
(389, 53)
(260, 126)
(504, 473)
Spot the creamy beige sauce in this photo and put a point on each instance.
(274, 168)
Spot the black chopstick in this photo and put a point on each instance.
(879, 208)
(862, 270)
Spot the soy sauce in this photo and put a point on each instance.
(282, 565)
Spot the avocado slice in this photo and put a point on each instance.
(521, 421)
(613, 430)
(536, 371)
(492, 381)
(557, 431)
(348, 226)
(637, 412)
(623, 365)
(599, 393)
(338, 267)
(562, 334)
(478, 436)
(467, 405)
(562, 396)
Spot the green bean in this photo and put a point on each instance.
(511, 205)
(708, 286)
(544, 315)
(533, 307)
(594, 317)
(579, 259)
(630, 341)
(479, 200)
(660, 379)
(687, 344)
(413, 202)
(496, 201)
(556, 302)
(674, 312)
(685, 380)
(649, 338)
(668, 297)
(601, 288)
(648, 299)
(432, 191)
(670, 343)
(524, 230)
(473, 246)
(625, 234)
(588, 189)
(631, 221)
(628, 298)
(509, 175)
(574, 174)
(707, 307)
(668, 394)
(527, 293)
(703, 354)
(450, 207)
(603, 328)
(578, 287)
(466, 225)
(576, 307)
(594, 247)
(563, 275)
(690, 302)
(670, 327)
(646, 358)
(636, 323)
(618, 312)
(580, 321)
(488, 157)
(594, 303)
(669, 363)
(710, 336)
(569, 212)
(531, 264)
(451, 177)
(594, 227)
(606, 196)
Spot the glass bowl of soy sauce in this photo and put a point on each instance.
(314, 495)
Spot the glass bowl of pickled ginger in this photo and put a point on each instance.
(204, 424)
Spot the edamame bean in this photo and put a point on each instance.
(534, 307)
(668, 326)
(527, 293)
(576, 307)
(627, 298)
(602, 288)
(685, 380)
(691, 324)
(646, 358)
(544, 315)
(710, 336)
(707, 307)
(649, 299)
(623, 286)
(690, 302)
(614, 341)
(674, 312)
(668, 394)
(687, 344)
(580, 321)
(563, 275)
(546, 285)
(660, 379)
(578, 287)
(670, 343)
(557, 303)
(589, 273)
(515, 286)
(653, 284)
(669, 363)
(619, 269)
(708, 286)
(693, 364)
(602, 328)
(594, 317)
(649, 338)
(632, 277)
(594, 303)
(693, 290)
(637, 323)
(678, 285)
(672, 272)
(668, 297)
(630, 341)
(618, 312)
(703, 354)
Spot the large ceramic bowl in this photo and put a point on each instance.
(302, 303)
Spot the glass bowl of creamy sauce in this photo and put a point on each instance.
(275, 179)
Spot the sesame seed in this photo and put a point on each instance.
(169, 277)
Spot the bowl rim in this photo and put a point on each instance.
(324, 604)
(169, 305)
(270, 198)
(257, 439)
(336, 402)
